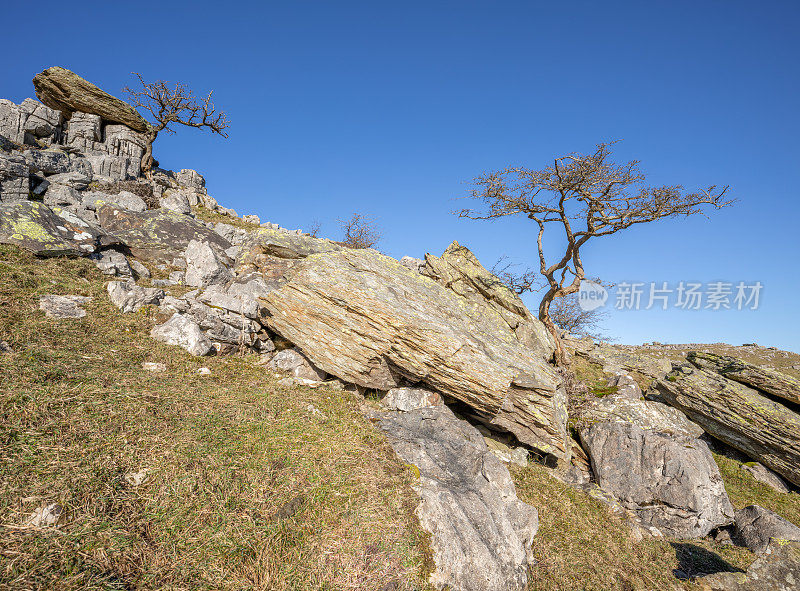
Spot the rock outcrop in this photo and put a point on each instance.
(776, 569)
(755, 526)
(763, 429)
(481, 533)
(367, 319)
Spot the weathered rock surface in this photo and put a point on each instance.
(615, 358)
(112, 262)
(65, 91)
(645, 414)
(737, 415)
(777, 569)
(368, 320)
(180, 330)
(626, 386)
(63, 306)
(766, 476)
(156, 234)
(459, 270)
(481, 533)
(756, 525)
(129, 297)
(203, 266)
(761, 378)
(408, 399)
(14, 183)
(49, 231)
(672, 484)
(294, 363)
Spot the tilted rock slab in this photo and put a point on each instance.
(481, 533)
(65, 91)
(671, 483)
(367, 319)
(756, 525)
(761, 378)
(741, 417)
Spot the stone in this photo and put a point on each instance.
(761, 378)
(203, 266)
(76, 180)
(129, 297)
(408, 399)
(14, 183)
(626, 386)
(776, 569)
(154, 367)
(41, 121)
(114, 168)
(46, 162)
(236, 236)
(251, 219)
(112, 262)
(672, 484)
(46, 516)
(65, 91)
(63, 306)
(766, 476)
(62, 196)
(481, 533)
(203, 371)
(614, 358)
(84, 130)
(238, 297)
(141, 271)
(177, 278)
(759, 427)
(180, 330)
(192, 179)
(49, 231)
(755, 526)
(129, 201)
(296, 364)
(177, 202)
(459, 270)
(121, 140)
(368, 320)
(414, 264)
(12, 122)
(156, 234)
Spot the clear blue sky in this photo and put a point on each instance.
(388, 108)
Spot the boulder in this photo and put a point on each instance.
(156, 234)
(459, 270)
(129, 297)
(49, 231)
(413, 263)
(41, 121)
(672, 484)
(481, 533)
(65, 91)
(12, 122)
(761, 378)
(75, 179)
(63, 306)
(755, 526)
(766, 476)
(203, 266)
(626, 386)
(294, 363)
(112, 262)
(762, 429)
(776, 569)
(368, 320)
(177, 202)
(114, 168)
(140, 270)
(180, 330)
(408, 399)
(14, 182)
(62, 196)
(84, 130)
(46, 162)
(192, 179)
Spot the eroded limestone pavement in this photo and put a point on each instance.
(462, 365)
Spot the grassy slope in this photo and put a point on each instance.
(249, 488)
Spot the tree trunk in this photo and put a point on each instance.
(559, 356)
(147, 159)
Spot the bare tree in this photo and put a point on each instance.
(519, 283)
(586, 196)
(169, 106)
(315, 228)
(360, 231)
(569, 315)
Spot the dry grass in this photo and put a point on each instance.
(206, 215)
(248, 487)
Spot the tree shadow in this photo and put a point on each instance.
(693, 560)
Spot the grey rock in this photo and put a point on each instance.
(114, 168)
(121, 140)
(203, 266)
(12, 121)
(140, 270)
(177, 202)
(251, 219)
(129, 297)
(408, 399)
(238, 297)
(112, 262)
(294, 363)
(14, 183)
(74, 179)
(481, 533)
(191, 178)
(776, 569)
(124, 199)
(46, 162)
(672, 484)
(236, 236)
(62, 196)
(645, 414)
(180, 330)
(413, 264)
(755, 526)
(626, 386)
(83, 130)
(177, 277)
(63, 306)
(766, 476)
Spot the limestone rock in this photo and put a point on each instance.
(84, 130)
(766, 476)
(14, 183)
(761, 378)
(203, 266)
(62, 196)
(65, 91)
(63, 306)
(408, 399)
(177, 202)
(192, 179)
(156, 234)
(481, 533)
(180, 330)
(776, 569)
(41, 121)
(756, 525)
(293, 362)
(75, 179)
(112, 262)
(368, 320)
(140, 270)
(129, 297)
(672, 484)
(626, 386)
(766, 431)
(46, 162)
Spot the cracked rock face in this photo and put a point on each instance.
(672, 484)
(481, 533)
(755, 526)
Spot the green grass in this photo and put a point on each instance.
(248, 487)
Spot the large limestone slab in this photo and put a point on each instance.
(65, 91)
(369, 320)
(741, 417)
(481, 533)
(761, 378)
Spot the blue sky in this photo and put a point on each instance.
(390, 108)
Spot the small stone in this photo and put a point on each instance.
(154, 367)
(137, 478)
(63, 306)
(203, 371)
(47, 516)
